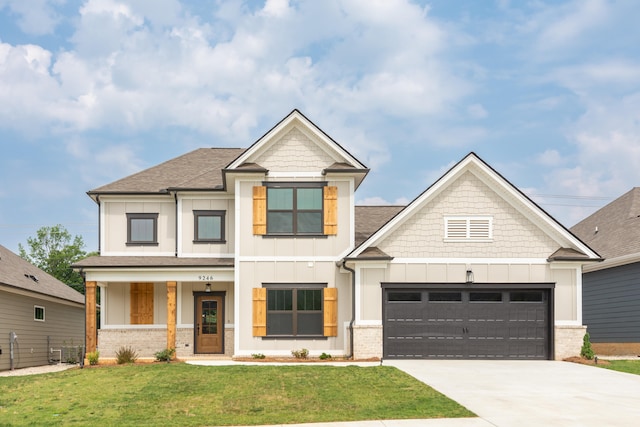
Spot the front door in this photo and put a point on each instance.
(209, 324)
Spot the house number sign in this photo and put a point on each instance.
(205, 277)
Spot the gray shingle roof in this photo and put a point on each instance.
(18, 273)
(198, 169)
(617, 225)
(370, 219)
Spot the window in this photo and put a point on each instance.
(208, 226)
(485, 297)
(294, 210)
(478, 228)
(142, 229)
(445, 296)
(404, 296)
(526, 296)
(38, 313)
(294, 312)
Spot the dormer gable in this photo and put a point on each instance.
(297, 146)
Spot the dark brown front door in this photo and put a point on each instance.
(209, 323)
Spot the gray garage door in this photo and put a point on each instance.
(466, 324)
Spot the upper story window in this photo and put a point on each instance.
(468, 228)
(142, 229)
(292, 209)
(208, 226)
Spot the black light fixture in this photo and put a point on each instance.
(469, 275)
(207, 287)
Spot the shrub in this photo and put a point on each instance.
(165, 355)
(93, 357)
(258, 355)
(126, 355)
(300, 354)
(325, 356)
(586, 351)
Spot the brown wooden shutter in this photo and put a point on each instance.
(331, 312)
(330, 210)
(141, 312)
(260, 210)
(259, 312)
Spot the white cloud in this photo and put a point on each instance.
(36, 17)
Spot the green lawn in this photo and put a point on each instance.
(178, 394)
(630, 366)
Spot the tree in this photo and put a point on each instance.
(54, 251)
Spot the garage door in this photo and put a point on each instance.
(466, 324)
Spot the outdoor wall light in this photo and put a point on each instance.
(469, 276)
(207, 287)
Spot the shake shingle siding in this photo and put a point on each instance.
(611, 304)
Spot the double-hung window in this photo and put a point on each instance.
(208, 226)
(142, 229)
(295, 311)
(294, 209)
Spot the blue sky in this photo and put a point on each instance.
(547, 92)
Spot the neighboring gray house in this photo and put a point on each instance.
(611, 289)
(38, 314)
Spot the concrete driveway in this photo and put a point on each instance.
(533, 393)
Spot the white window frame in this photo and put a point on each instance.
(35, 308)
(474, 228)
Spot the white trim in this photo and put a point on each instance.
(155, 275)
(144, 254)
(470, 261)
(236, 269)
(568, 323)
(206, 255)
(179, 225)
(358, 294)
(368, 323)
(103, 227)
(289, 175)
(287, 259)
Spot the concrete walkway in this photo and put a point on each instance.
(533, 393)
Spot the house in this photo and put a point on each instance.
(611, 289)
(41, 318)
(262, 250)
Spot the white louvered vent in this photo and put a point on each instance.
(478, 228)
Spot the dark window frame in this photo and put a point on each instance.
(41, 309)
(206, 213)
(295, 186)
(294, 288)
(146, 216)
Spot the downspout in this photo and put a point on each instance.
(175, 197)
(99, 233)
(353, 305)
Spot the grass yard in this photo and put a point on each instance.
(178, 394)
(629, 366)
